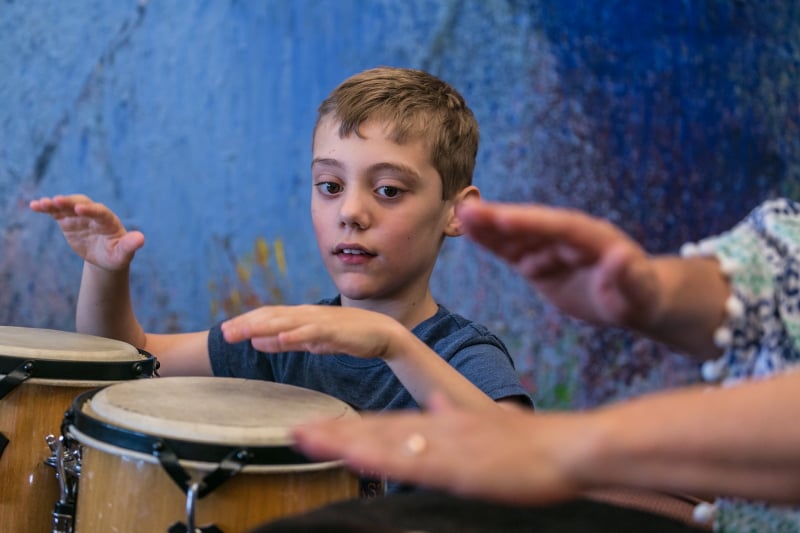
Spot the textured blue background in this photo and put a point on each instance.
(192, 120)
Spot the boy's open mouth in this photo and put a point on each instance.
(349, 249)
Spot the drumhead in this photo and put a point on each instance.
(50, 344)
(219, 410)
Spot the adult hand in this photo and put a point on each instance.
(584, 265)
(511, 455)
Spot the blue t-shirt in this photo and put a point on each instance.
(369, 384)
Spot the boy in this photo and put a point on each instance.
(393, 154)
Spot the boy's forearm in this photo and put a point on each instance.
(743, 442)
(691, 304)
(422, 372)
(104, 306)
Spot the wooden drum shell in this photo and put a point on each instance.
(28, 487)
(119, 493)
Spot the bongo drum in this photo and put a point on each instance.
(41, 372)
(203, 454)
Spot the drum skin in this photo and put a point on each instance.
(125, 490)
(118, 493)
(28, 487)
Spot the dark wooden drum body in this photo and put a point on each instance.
(438, 512)
(149, 449)
(41, 372)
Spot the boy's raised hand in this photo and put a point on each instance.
(93, 231)
(585, 266)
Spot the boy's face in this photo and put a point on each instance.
(378, 212)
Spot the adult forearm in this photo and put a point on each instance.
(104, 306)
(734, 441)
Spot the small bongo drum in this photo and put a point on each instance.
(206, 454)
(41, 372)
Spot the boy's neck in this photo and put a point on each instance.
(409, 312)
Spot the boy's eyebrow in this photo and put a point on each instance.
(326, 161)
(377, 167)
(397, 168)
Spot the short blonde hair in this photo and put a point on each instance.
(416, 105)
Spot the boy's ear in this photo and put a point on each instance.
(453, 228)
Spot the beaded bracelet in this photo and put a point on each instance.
(715, 369)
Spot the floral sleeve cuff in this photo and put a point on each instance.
(759, 255)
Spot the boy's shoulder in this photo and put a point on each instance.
(452, 328)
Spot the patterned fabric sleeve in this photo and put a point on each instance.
(762, 333)
(760, 255)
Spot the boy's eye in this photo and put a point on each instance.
(329, 187)
(387, 191)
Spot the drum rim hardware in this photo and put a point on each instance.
(78, 370)
(66, 461)
(184, 450)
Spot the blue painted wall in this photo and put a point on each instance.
(192, 120)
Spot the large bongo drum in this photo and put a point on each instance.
(204, 454)
(41, 372)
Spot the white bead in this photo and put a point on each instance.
(707, 247)
(734, 307)
(728, 266)
(689, 249)
(704, 513)
(722, 337)
(711, 370)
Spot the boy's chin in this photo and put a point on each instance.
(359, 292)
(355, 287)
(356, 294)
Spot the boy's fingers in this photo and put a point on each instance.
(71, 200)
(96, 211)
(268, 344)
(43, 205)
(440, 403)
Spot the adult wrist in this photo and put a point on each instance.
(588, 461)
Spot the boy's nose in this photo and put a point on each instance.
(354, 211)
